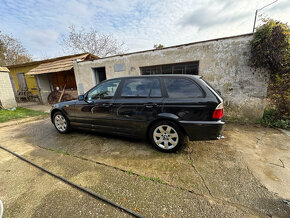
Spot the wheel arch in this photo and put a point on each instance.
(165, 117)
(56, 110)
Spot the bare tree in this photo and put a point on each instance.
(1, 51)
(92, 41)
(12, 51)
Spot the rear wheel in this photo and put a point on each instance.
(166, 136)
(61, 123)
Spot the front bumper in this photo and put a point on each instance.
(202, 130)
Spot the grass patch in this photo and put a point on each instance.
(6, 115)
(153, 179)
(270, 118)
(130, 172)
(57, 151)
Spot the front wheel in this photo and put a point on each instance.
(166, 136)
(61, 123)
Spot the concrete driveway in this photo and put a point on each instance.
(241, 175)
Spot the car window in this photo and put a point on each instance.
(105, 90)
(136, 87)
(155, 90)
(182, 88)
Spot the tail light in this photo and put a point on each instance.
(218, 112)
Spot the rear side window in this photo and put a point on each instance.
(136, 87)
(141, 87)
(182, 88)
(155, 90)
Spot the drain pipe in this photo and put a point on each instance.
(74, 185)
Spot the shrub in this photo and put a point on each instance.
(270, 49)
(271, 118)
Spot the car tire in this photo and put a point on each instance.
(166, 136)
(61, 123)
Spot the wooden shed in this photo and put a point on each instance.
(58, 74)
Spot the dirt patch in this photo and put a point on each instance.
(267, 154)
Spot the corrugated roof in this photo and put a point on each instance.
(57, 65)
(49, 60)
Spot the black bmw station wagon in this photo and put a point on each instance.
(163, 108)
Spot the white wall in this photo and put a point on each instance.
(7, 97)
(222, 62)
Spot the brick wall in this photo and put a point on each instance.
(7, 97)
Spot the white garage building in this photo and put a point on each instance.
(223, 62)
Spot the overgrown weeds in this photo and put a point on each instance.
(271, 118)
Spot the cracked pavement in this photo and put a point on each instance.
(225, 178)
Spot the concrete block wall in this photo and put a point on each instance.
(7, 97)
(224, 63)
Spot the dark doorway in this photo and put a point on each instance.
(100, 74)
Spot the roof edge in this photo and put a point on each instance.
(174, 46)
(49, 60)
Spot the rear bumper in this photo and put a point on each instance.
(202, 130)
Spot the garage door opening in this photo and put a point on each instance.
(177, 68)
(100, 74)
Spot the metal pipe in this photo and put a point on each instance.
(255, 20)
(256, 13)
(1, 209)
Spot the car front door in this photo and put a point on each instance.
(96, 108)
(139, 101)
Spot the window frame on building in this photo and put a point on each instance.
(171, 68)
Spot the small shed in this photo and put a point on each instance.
(57, 76)
(20, 80)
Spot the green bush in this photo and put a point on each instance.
(271, 119)
(270, 49)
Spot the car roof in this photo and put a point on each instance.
(160, 75)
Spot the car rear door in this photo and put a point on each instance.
(139, 101)
(185, 99)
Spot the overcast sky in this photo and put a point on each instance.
(138, 23)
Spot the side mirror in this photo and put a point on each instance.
(81, 97)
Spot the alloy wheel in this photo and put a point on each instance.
(60, 123)
(165, 136)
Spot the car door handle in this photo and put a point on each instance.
(107, 105)
(150, 105)
(127, 113)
